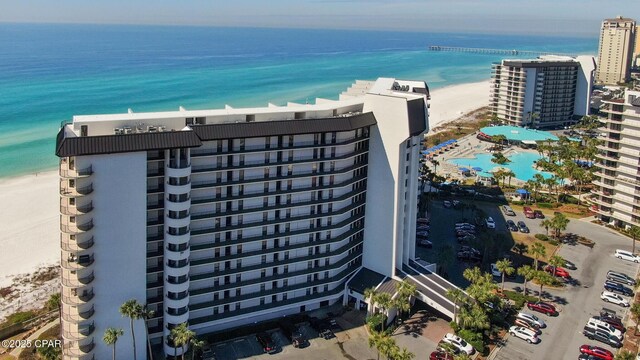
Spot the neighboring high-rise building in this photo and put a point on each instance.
(223, 218)
(615, 54)
(617, 191)
(636, 51)
(544, 92)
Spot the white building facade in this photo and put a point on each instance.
(222, 218)
(617, 182)
(545, 92)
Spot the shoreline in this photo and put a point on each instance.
(31, 202)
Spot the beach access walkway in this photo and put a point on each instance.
(16, 352)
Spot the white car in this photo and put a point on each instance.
(490, 223)
(446, 203)
(613, 298)
(495, 271)
(524, 334)
(422, 233)
(627, 255)
(600, 325)
(532, 319)
(458, 343)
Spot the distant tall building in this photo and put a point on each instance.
(615, 56)
(636, 52)
(617, 182)
(544, 92)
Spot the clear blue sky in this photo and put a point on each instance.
(575, 17)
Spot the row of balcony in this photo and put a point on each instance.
(262, 148)
(74, 229)
(68, 191)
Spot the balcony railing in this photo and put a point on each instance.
(71, 280)
(82, 332)
(68, 209)
(72, 349)
(77, 318)
(70, 228)
(65, 190)
(182, 165)
(65, 172)
(77, 299)
(74, 245)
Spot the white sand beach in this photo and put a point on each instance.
(29, 215)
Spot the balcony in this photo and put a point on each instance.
(75, 245)
(74, 229)
(74, 350)
(68, 209)
(297, 146)
(79, 317)
(72, 280)
(71, 332)
(68, 173)
(77, 262)
(74, 300)
(67, 191)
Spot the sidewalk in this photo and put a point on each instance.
(16, 352)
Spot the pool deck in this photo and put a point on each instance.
(468, 147)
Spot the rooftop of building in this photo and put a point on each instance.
(619, 19)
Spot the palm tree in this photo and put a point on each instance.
(145, 315)
(375, 339)
(181, 336)
(50, 352)
(133, 310)
(509, 174)
(385, 302)
(559, 223)
(624, 355)
(543, 278)
(370, 294)
(457, 296)
(383, 343)
(527, 272)
(555, 261)
(55, 303)
(504, 266)
(520, 248)
(537, 250)
(538, 179)
(635, 314)
(634, 232)
(546, 224)
(404, 354)
(405, 291)
(474, 317)
(195, 345)
(435, 164)
(472, 274)
(110, 337)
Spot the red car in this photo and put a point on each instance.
(596, 351)
(542, 307)
(440, 355)
(560, 272)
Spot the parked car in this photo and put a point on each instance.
(620, 278)
(468, 256)
(569, 265)
(614, 298)
(425, 243)
(618, 288)
(524, 334)
(495, 271)
(465, 224)
(512, 226)
(613, 322)
(528, 212)
(466, 238)
(603, 326)
(538, 214)
(423, 228)
(489, 223)
(557, 271)
(207, 353)
(529, 325)
(596, 351)
(440, 355)
(456, 203)
(267, 343)
(446, 203)
(470, 249)
(293, 334)
(508, 210)
(627, 255)
(523, 227)
(542, 307)
(459, 343)
(422, 233)
(532, 318)
(424, 221)
(601, 336)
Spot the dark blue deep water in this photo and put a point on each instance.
(48, 73)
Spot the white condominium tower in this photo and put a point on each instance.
(544, 92)
(617, 191)
(615, 54)
(222, 218)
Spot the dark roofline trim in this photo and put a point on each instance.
(111, 144)
(283, 127)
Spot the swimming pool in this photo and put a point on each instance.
(521, 164)
(515, 133)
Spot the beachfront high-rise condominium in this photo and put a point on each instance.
(615, 54)
(617, 191)
(544, 92)
(222, 218)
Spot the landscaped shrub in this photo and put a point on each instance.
(20, 317)
(541, 237)
(554, 242)
(517, 202)
(518, 298)
(473, 338)
(545, 205)
(455, 327)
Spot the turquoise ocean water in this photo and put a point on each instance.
(48, 73)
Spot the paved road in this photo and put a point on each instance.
(562, 338)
